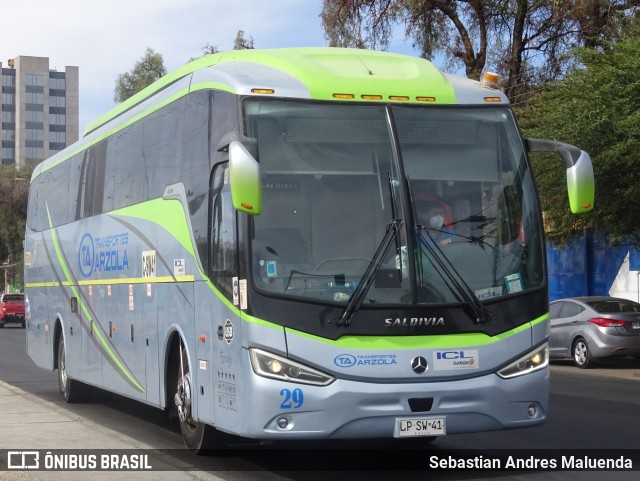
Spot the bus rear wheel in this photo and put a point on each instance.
(197, 436)
(72, 391)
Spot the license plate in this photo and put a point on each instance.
(416, 427)
(635, 325)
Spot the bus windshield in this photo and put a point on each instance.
(333, 186)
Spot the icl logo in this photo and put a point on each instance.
(452, 355)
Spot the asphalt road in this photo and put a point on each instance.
(596, 409)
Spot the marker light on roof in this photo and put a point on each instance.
(371, 97)
(399, 98)
(344, 96)
(426, 99)
(263, 91)
(490, 79)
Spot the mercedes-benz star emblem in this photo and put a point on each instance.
(419, 364)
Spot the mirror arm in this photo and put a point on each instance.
(249, 143)
(570, 153)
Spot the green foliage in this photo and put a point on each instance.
(597, 108)
(14, 192)
(146, 71)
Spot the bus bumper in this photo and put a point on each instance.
(349, 409)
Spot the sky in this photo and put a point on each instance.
(106, 38)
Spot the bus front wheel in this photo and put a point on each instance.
(197, 436)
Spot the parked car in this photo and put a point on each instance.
(589, 328)
(12, 309)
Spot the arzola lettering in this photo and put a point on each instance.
(376, 362)
(414, 321)
(111, 261)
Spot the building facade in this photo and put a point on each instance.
(40, 110)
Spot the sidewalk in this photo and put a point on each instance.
(28, 422)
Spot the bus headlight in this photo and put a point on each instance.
(533, 361)
(277, 367)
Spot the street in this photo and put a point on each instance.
(595, 409)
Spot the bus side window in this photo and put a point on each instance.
(223, 243)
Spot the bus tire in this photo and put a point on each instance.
(72, 391)
(197, 436)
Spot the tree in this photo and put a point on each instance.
(596, 107)
(14, 192)
(210, 49)
(146, 71)
(241, 43)
(526, 41)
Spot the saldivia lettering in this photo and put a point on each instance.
(413, 321)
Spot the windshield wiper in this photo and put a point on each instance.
(358, 296)
(446, 268)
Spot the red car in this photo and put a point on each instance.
(12, 309)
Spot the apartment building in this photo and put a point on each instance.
(40, 110)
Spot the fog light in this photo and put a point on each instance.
(532, 410)
(283, 423)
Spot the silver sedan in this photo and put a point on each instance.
(588, 328)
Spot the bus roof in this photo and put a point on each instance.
(329, 74)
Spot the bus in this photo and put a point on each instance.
(249, 244)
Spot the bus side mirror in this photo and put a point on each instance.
(244, 176)
(580, 180)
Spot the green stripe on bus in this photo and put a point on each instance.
(434, 341)
(96, 332)
(166, 213)
(324, 72)
(125, 280)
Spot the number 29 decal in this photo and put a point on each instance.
(291, 399)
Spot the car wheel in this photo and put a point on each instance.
(581, 353)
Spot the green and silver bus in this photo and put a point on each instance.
(245, 244)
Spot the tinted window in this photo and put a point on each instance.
(571, 309)
(614, 306)
(224, 265)
(136, 163)
(12, 297)
(160, 146)
(554, 309)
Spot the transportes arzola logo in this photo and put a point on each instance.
(85, 255)
(349, 360)
(103, 254)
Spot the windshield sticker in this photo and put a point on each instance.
(490, 292)
(272, 269)
(453, 360)
(513, 283)
(236, 291)
(243, 294)
(349, 360)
